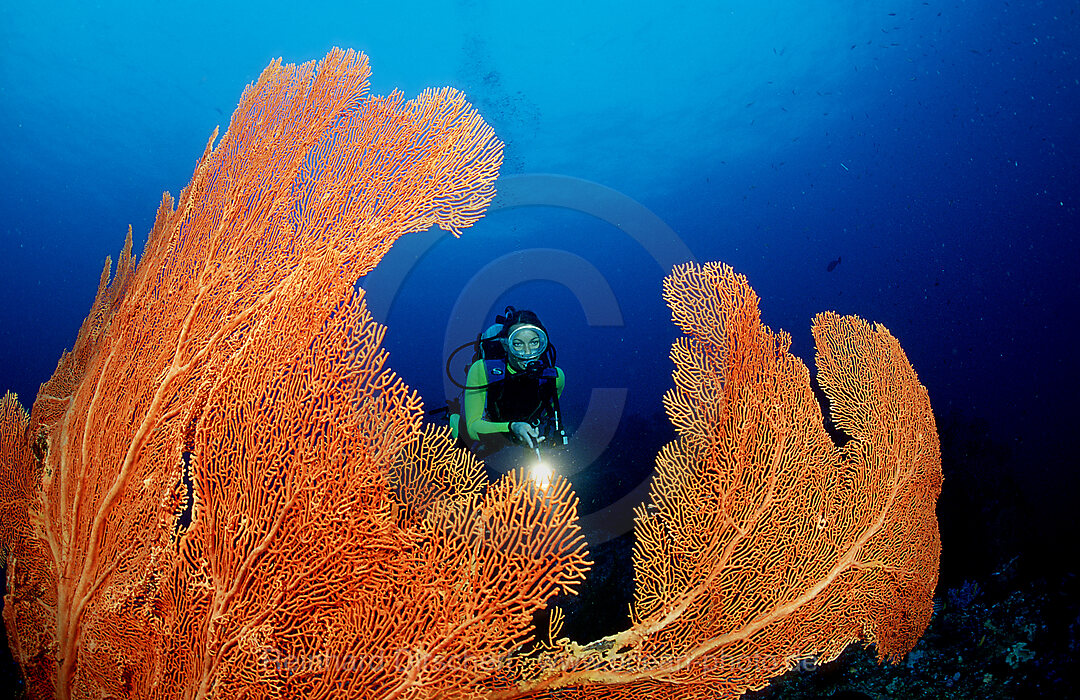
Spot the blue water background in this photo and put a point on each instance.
(930, 146)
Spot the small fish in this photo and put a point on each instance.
(832, 264)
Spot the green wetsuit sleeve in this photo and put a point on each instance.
(476, 402)
(560, 381)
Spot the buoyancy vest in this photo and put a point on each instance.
(519, 396)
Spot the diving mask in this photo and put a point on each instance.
(526, 342)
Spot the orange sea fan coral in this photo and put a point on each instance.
(763, 543)
(793, 548)
(208, 498)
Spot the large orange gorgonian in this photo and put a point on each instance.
(762, 543)
(224, 492)
(216, 494)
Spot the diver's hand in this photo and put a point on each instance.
(526, 434)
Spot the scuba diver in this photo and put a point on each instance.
(511, 393)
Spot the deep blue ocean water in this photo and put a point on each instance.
(930, 147)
